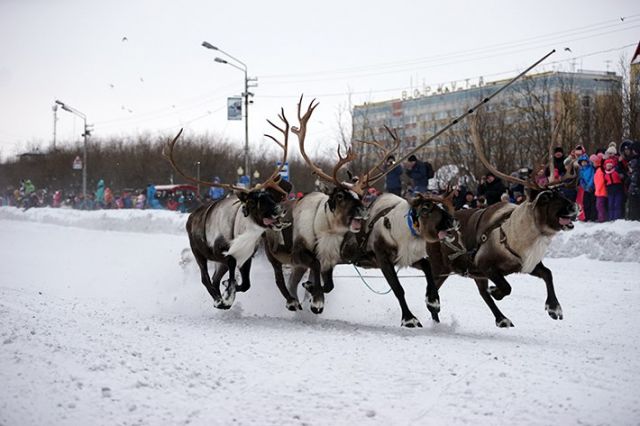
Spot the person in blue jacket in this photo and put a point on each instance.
(393, 182)
(587, 186)
(152, 200)
(420, 172)
(215, 192)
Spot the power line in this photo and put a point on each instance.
(507, 47)
(397, 89)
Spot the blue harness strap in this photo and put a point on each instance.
(410, 223)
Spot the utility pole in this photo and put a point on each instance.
(55, 123)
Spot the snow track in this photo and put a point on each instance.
(102, 327)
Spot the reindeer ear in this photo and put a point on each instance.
(324, 188)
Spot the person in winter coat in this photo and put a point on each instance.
(492, 189)
(633, 199)
(600, 188)
(99, 200)
(141, 200)
(215, 192)
(615, 189)
(586, 189)
(108, 198)
(152, 200)
(420, 172)
(558, 165)
(393, 180)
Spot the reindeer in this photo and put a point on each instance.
(503, 239)
(396, 235)
(320, 222)
(228, 231)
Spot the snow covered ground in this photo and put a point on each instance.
(103, 320)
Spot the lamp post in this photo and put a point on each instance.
(55, 122)
(198, 175)
(85, 134)
(245, 95)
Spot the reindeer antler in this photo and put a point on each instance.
(271, 181)
(477, 145)
(301, 133)
(384, 154)
(169, 156)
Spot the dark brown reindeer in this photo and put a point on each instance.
(503, 239)
(396, 235)
(228, 231)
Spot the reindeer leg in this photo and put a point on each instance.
(501, 289)
(552, 306)
(327, 279)
(432, 298)
(501, 320)
(213, 290)
(229, 294)
(292, 302)
(388, 270)
(294, 279)
(306, 257)
(245, 274)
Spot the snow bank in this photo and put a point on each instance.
(129, 220)
(617, 241)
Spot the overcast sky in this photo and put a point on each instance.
(135, 66)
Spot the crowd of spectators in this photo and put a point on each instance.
(26, 196)
(605, 184)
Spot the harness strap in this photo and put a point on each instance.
(206, 217)
(503, 241)
(410, 223)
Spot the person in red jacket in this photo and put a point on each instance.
(601, 188)
(615, 188)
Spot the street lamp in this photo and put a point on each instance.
(245, 94)
(198, 176)
(85, 134)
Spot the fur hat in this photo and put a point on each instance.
(595, 159)
(611, 151)
(610, 161)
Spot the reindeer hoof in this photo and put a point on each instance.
(504, 323)
(229, 292)
(555, 313)
(293, 305)
(411, 323)
(435, 316)
(317, 304)
(220, 304)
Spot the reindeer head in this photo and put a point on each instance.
(552, 210)
(264, 205)
(347, 207)
(263, 202)
(432, 217)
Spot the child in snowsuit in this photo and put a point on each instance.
(615, 189)
(600, 188)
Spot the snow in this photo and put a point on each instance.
(104, 321)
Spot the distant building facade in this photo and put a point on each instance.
(419, 115)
